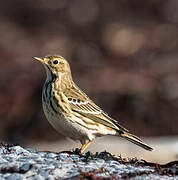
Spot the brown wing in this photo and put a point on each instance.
(80, 103)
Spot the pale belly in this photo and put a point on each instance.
(68, 128)
(74, 128)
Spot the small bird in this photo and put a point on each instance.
(71, 112)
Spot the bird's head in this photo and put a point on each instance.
(55, 64)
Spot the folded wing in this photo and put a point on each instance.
(80, 103)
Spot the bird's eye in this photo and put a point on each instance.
(55, 62)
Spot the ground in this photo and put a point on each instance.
(17, 163)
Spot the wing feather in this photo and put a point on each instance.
(80, 103)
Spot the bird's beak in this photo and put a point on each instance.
(39, 59)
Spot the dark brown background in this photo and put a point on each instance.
(123, 53)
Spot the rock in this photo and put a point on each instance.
(17, 163)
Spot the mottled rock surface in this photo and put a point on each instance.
(17, 163)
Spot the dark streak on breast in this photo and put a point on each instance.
(51, 104)
(47, 85)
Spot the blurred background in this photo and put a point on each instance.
(123, 54)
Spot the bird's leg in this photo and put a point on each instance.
(84, 146)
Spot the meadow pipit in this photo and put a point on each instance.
(70, 111)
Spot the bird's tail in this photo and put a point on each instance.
(134, 139)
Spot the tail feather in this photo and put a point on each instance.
(134, 139)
